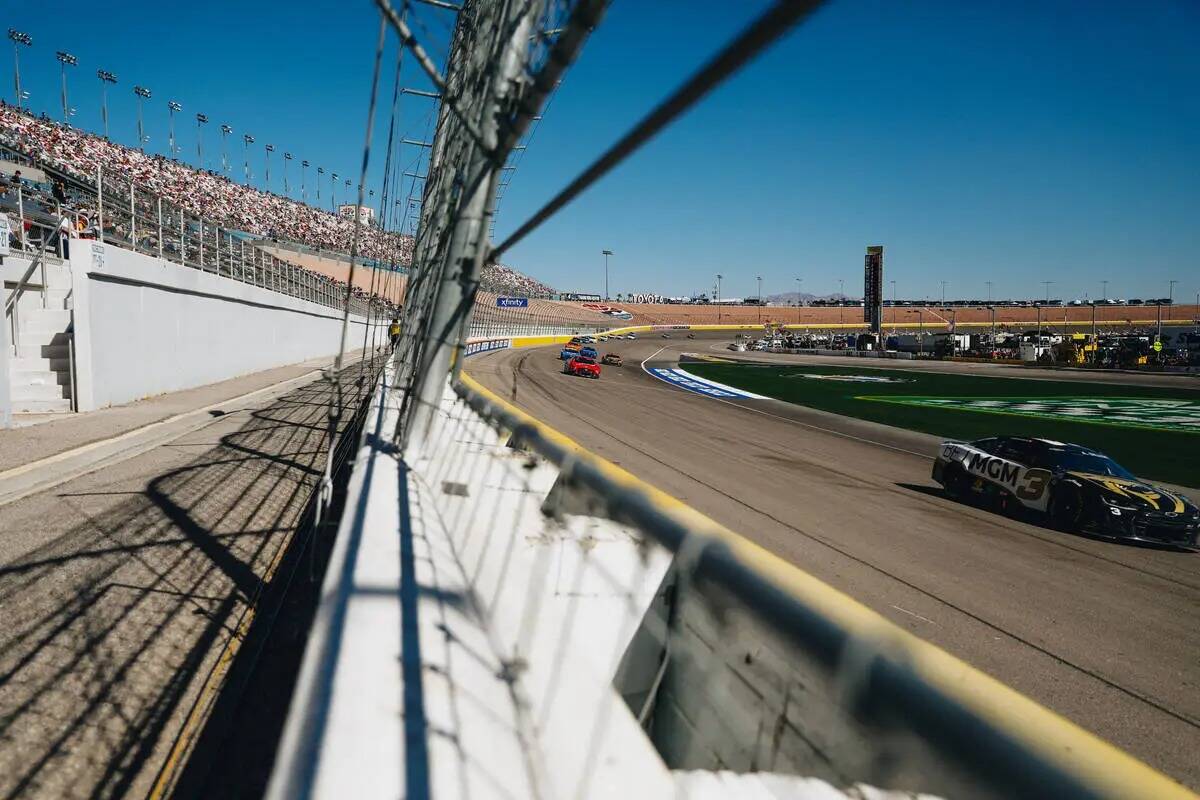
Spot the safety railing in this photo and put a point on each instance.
(12, 304)
(121, 212)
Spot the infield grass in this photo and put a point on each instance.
(1159, 449)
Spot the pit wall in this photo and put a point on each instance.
(145, 326)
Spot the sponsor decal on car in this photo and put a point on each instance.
(1172, 415)
(1027, 484)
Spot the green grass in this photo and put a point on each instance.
(1171, 455)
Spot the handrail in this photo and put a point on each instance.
(995, 732)
(21, 284)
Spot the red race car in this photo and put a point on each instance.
(582, 365)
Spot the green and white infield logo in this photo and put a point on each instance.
(1167, 415)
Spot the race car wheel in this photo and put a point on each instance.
(1066, 508)
(954, 480)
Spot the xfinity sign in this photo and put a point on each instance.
(512, 302)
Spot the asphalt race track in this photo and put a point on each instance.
(1105, 634)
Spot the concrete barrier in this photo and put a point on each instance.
(145, 326)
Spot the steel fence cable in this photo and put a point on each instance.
(762, 33)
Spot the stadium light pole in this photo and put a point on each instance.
(1047, 284)
(1170, 297)
(1104, 291)
(303, 189)
(201, 121)
(18, 38)
(799, 302)
(225, 131)
(286, 158)
(247, 140)
(142, 94)
(65, 60)
(606, 254)
(759, 278)
(320, 172)
(719, 277)
(989, 285)
(106, 78)
(333, 191)
(270, 149)
(172, 107)
(944, 293)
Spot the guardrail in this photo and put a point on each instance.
(884, 677)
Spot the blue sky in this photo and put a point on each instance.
(1004, 141)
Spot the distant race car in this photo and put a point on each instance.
(1074, 487)
(613, 359)
(691, 336)
(604, 338)
(589, 352)
(581, 365)
(631, 336)
(666, 336)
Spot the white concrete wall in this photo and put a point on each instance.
(145, 326)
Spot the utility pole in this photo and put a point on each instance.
(247, 140)
(943, 294)
(201, 121)
(1047, 284)
(225, 131)
(18, 38)
(172, 107)
(992, 308)
(760, 299)
(65, 60)
(719, 276)
(1104, 290)
(106, 78)
(1170, 297)
(799, 302)
(606, 254)
(989, 285)
(142, 94)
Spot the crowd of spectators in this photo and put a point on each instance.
(499, 279)
(201, 193)
(216, 198)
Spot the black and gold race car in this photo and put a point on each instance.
(1076, 488)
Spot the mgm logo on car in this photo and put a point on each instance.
(1174, 415)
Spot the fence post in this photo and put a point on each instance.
(182, 245)
(132, 220)
(100, 203)
(21, 215)
(202, 244)
(160, 229)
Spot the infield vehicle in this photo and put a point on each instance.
(1073, 488)
(583, 366)
(612, 359)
